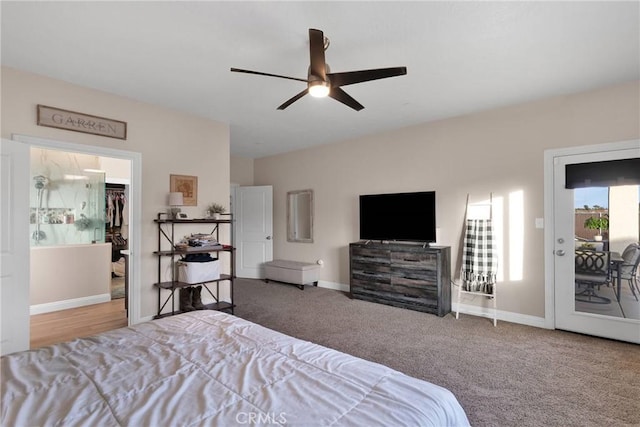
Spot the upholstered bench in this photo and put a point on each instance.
(294, 272)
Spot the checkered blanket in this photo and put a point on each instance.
(479, 258)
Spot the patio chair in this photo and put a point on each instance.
(629, 268)
(592, 270)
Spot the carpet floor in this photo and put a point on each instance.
(509, 375)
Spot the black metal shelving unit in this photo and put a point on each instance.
(166, 233)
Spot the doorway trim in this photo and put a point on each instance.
(549, 209)
(135, 201)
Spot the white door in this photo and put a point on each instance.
(254, 230)
(14, 247)
(592, 318)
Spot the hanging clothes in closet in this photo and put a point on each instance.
(116, 207)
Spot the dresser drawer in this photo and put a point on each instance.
(426, 304)
(370, 276)
(415, 288)
(415, 260)
(364, 255)
(414, 275)
(364, 286)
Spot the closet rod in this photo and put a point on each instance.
(109, 186)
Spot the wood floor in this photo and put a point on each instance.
(65, 325)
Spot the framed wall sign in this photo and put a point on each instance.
(79, 122)
(187, 185)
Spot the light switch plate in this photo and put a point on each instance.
(539, 222)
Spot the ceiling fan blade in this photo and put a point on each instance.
(294, 99)
(316, 53)
(351, 77)
(342, 96)
(238, 70)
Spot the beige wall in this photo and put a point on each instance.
(70, 272)
(241, 170)
(116, 169)
(169, 142)
(498, 151)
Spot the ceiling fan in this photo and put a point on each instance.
(320, 82)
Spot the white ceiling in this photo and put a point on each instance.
(461, 57)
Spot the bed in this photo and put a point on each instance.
(211, 368)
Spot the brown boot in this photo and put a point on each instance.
(185, 300)
(196, 298)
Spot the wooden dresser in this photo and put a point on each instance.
(402, 275)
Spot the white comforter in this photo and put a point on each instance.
(211, 368)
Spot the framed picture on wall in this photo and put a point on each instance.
(187, 185)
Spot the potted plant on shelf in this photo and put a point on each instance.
(597, 223)
(214, 210)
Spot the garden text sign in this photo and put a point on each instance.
(71, 120)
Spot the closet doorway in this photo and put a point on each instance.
(117, 233)
(110, 227)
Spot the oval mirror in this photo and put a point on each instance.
(300, 216)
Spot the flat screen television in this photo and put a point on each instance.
(398, 216)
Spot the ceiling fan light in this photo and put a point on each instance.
(319, 89)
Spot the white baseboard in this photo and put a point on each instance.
(507, 316)
(333, 285)
(474, 310)
(69, 303)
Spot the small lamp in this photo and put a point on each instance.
(175, 200)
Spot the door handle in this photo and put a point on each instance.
(560, 252)
(268, 237)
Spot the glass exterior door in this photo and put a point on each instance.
(592, 228)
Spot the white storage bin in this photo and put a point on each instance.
(198, 272)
